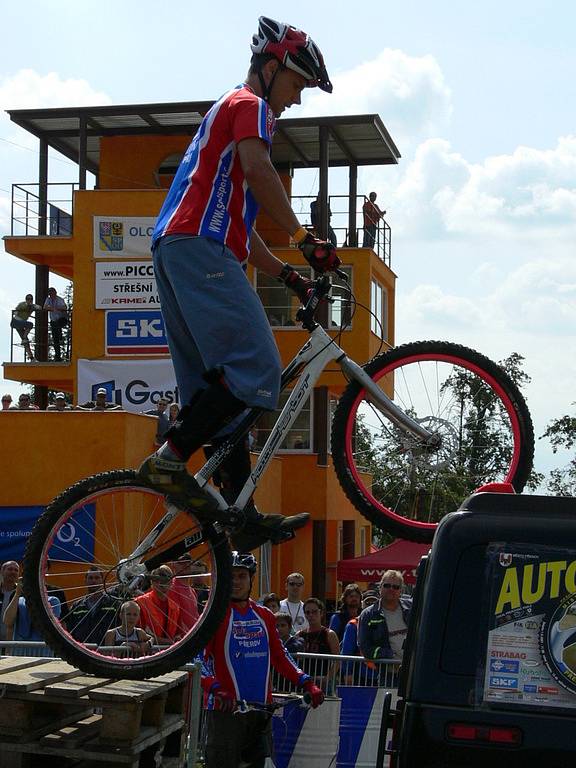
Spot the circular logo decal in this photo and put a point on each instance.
(558, 642)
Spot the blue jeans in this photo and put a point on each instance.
(214, 319)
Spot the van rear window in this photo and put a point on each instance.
(465, 636)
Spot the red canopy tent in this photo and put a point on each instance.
(401, 556)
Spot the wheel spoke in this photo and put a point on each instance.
(115, 614)
(479, 422)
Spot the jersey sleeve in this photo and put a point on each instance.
(251, 118)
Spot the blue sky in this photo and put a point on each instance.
(478, 97)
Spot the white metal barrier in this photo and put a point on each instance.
(331, 671)
(338, 676)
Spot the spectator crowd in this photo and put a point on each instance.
(371, 624)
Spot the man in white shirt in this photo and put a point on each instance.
(292, 603)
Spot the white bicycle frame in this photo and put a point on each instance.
(317, 352)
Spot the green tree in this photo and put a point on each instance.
(562, 435)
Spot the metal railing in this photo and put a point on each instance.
(23, 340)
(38, 212)
(340, 207)
(23, 648)
(333, 671)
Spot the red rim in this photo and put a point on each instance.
(436, 357)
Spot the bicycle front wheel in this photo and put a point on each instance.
(482, 428)
(87, 579)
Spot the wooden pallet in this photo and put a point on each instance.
(49, 708)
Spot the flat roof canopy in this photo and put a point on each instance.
(351, 139)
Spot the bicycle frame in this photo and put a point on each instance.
(307, 365)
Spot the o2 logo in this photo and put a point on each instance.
(76, 537)
(67, 535)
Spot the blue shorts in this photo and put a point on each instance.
(214, 319)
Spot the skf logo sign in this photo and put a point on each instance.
(133, 332)
(111, 235)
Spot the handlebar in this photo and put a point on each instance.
(322, 286)
(243, 706)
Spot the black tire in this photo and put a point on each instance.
(486, 433)
(112, 512)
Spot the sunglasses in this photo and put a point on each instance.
(391, 586)
(295, 584)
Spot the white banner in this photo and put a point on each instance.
(122, 236)
(136, 385)
(125, 284)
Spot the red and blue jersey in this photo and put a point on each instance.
(240, 655)
(209, 195)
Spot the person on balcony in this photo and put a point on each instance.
(59, 403)
(22, 324)
(372, 215)
(56, 306)
(315, 220)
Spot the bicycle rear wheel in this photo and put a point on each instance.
(482, 422)
(83, 548)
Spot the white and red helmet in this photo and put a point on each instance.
(294, 48)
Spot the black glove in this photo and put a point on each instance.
(293, 280)
(320, 254)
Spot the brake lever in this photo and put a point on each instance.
(341, 274)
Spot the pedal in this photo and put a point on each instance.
(282, 537)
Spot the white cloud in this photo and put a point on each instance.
(429, 306)
(529, 192)
(28, 89)
(538, 299)
(408, 92)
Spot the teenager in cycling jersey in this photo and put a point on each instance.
(222, 347)
(237, 666)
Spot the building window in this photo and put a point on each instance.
(281, 304)
(379, 309)
(298, 438)
(340, 310)
(166, 171)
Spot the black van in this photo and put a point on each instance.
(489, 672)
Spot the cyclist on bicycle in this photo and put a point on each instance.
(237, 667)
(223, 350)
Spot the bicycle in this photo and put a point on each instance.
(417, 429)
(286, 710)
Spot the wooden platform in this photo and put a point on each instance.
(53, 714)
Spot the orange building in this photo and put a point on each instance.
(99, 241)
